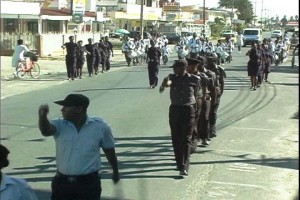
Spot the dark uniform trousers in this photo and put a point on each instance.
(203, 120)
(213, 116)
(108, 63)
(82, 187)
(90, 61)
(182, 123)
(193, 55)
(153, 68)
(71, 66)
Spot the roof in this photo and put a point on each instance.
(64, 12)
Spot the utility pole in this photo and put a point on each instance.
(231, 16)
(203, 30)
(262, 10)
(142, 19)
(255, 15)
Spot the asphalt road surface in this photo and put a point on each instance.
(254, 156)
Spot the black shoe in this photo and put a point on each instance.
(213, 135)
(205, 142)
(183, 172)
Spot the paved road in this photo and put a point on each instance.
(255, 155)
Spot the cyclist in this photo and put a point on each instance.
(18, 55)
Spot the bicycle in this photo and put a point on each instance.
(29, 66)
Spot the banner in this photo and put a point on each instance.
(78, 6)
(108, 3)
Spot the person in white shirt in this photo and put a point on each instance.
(11, 187)
(194, 46)
(240, 41)
(18, 55)
(166, 52)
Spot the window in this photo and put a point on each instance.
(53, 26)
(149, 3)
(10, 25)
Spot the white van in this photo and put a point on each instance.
(252, 35)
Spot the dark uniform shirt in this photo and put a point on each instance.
(184, 89)
(80, 53)
(72, 49)
(154, 55)
(90, 48)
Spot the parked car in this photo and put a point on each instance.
(231, 34)
(133, 34)
(172, 37)
(252, 35)
(276, 33)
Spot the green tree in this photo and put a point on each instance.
(244, 7)
(296, 17)
(283, 21)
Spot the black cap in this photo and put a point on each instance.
(193, 61)
(211, 56)
(74, 100)
(3, 156)
(180, 63)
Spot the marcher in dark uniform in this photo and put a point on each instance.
(184, 90)
(103, 49)
(261, 57)
(219, 88)
(90, 57)
(193, 69)
(153, 57)
(98, 58)
(253, 64)
(110, 52)
(80, 59)
(203, 124)
(72, 49)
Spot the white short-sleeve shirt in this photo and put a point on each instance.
(78, 153)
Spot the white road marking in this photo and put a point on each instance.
(241, 185)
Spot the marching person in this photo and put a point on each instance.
(109, 53)
(71, 57)
(80, 59)
(78, 138)
(184, 90)
(219, 89)
(252, 66)
(91, 56)
(11, 187)
(153, 57)
(194, 46)
(193, 68)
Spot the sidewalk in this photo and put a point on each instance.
(53, 72)
(50, 65)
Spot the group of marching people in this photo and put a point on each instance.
(196, 88)
(135, 50)
(191, 47)
(95, 54)
(262, 56)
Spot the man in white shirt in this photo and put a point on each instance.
(18, 55)
(10, 187)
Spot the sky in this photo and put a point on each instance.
(270, 7)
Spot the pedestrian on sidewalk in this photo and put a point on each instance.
(78, 138)
(11, 187)
(184, 90)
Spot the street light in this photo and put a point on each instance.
(142, 19)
